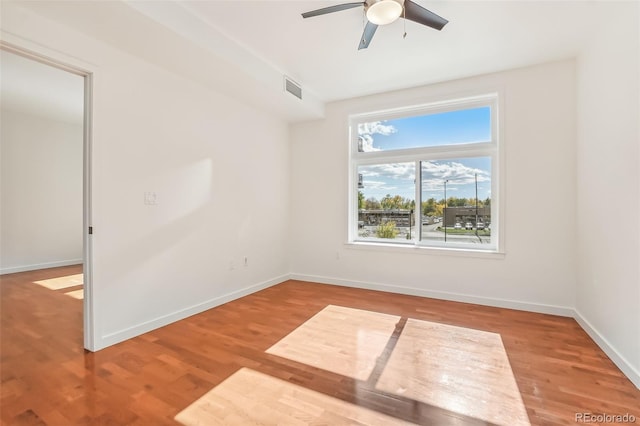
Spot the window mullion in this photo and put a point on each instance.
(418, 198)
(432, 153)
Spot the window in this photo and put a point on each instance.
(426, 176)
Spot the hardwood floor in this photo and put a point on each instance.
(48, 379)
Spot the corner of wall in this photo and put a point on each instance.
(618, 359)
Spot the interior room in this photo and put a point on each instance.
(42, 149)
(235, 252)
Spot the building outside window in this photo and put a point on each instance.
(427, 176)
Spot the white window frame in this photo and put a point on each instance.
(491, 148)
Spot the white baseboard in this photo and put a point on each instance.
(130, 332)
(603, 343)
(454, 297)
(625, 366)
(35, 267)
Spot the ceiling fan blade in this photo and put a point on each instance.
(419, 14)
(331, 9)
(367, 35)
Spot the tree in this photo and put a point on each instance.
(388, 202)
(387, 230)
(361, 201)
(397, 202)
(429, 207)
(456, 202)
(372, 204)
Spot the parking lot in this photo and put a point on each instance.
(433, 233)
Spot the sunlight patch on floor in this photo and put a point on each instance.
(463, 371)
(249, 397)
(342, 340)
(76, 294)
(460, 369)
(62, 282)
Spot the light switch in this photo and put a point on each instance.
(150, 198)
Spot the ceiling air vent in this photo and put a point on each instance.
(292, 87)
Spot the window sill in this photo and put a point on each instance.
(424, 250)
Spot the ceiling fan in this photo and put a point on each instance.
(383, 12)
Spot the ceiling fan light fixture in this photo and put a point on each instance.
(383, 12)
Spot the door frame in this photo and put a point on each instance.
(55, 59)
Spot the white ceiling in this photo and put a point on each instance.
(481, 36)
(243, 47)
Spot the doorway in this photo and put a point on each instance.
(46, 162)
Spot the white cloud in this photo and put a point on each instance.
(399, 178)
(366, 144)
(392, 171)
(435, 173)
(375, 127)
(367, 130)
(373, 185)
(382, 179)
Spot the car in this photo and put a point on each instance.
(457, 226)
(480, 226)
(468, 225)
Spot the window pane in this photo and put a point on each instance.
(446, 128)
(386, 202)
(465, 217)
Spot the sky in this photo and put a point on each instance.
(456, 127)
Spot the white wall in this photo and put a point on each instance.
(608, 289)
(41, 192)
(537, 271)
(222, 193)
(220, 170)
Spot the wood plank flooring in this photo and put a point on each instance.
(461, 369)
(248, 397)
(342, 340)
(48, 379)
